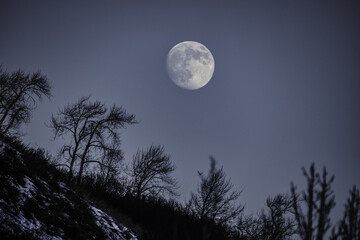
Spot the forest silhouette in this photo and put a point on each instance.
(143, 194)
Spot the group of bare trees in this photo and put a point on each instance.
(91, 130)
(92, 134)
(305, 214)
(94, 138)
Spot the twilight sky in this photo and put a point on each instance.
(285, 91)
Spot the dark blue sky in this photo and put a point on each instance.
(285, 91)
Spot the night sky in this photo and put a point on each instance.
(285, 91)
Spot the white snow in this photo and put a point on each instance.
(62, 185)
(25, 191)
(13, 219)
(108, 225)
(28, 188)
(27, 225)
(43, 183)
(2, 147)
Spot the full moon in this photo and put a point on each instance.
(190, 65)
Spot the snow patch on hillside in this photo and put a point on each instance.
(28, 225)
(18, 218)
(110, 228)
(2, 147)
(26, 190)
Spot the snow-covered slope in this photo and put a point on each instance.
(34, 204)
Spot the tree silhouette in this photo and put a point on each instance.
(349, 226)
(319, 200)
(19, 93)
(150, 173)
(93, 131)
(277, 223)
(214, 199)
(326, 201)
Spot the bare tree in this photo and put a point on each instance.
(326, 201)
(19, 93)
(319, 200)
(275, 224)
(150, 173)
(305, 222)
(92, 129)
(214, 199)
(349, 226)
(72, 121)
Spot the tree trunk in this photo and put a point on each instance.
(73, 158)
(83, 157)
(80, 172)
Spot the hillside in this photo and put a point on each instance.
(35, 204)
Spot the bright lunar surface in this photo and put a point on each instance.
(190, 65)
